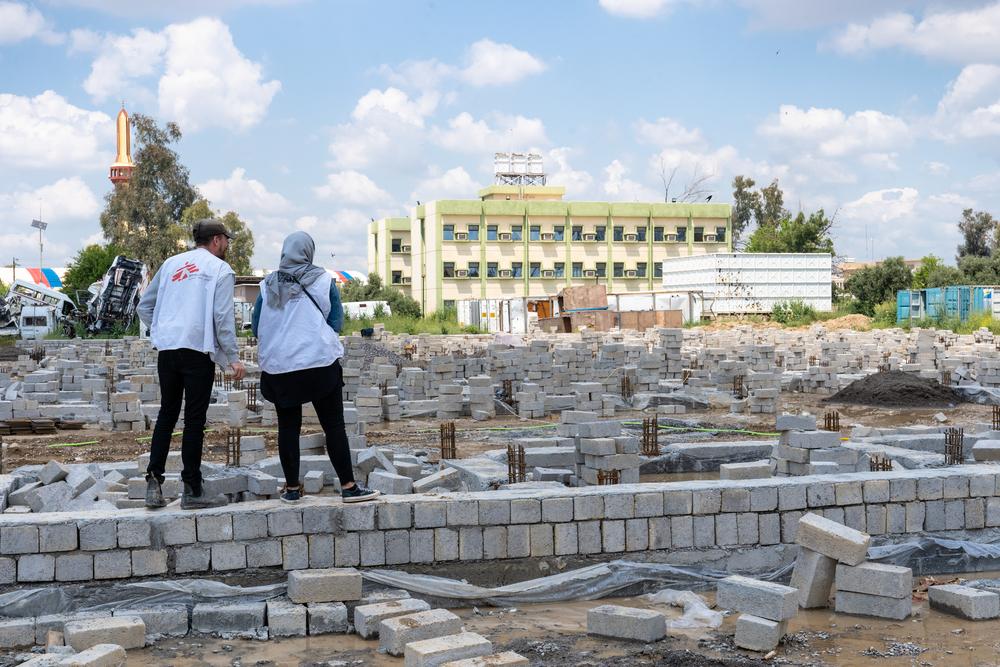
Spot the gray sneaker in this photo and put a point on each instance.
(154, 494)
(190, 501)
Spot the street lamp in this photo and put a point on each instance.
(40, 226)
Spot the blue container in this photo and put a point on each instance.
(902, 306)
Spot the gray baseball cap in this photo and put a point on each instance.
(207, 228)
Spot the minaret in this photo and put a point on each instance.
(121, 168)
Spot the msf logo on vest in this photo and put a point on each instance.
(187, 270)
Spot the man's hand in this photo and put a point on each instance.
(239, 371)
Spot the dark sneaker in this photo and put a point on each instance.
(359, 494)
(154, 494)
(201, 500)
(289, 495)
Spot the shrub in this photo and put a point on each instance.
(796, 311)
(885, 314)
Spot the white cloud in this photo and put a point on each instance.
(494, 64)
(46, 131)
(452, 184)
(351, 187)
(886, 161)
(67, 205)
(174, 9)
(795, 14)
(968, 35)
(937, 168)
(637, 9)
(394, 104)
(664, 132)
(120, 60)
(248, 197)
(577, 182)
(465, 134)
(19, 22)
(386, 127)
(713, 168)
(620, 188)
(835, 134)
(84, 40)
(970, 108)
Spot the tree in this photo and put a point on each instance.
(933, 273)
(240, 248)
(374, 290)
(798, 234)
(3, 289)
(772, 209)
(87, 267)
(143, 216)
(746, 206)
(979, 230)
(877, 284)
(978, 270)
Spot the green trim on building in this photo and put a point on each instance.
(552, 208)
(629, 210)
(493, 207)
(458, 207)
(421, 211)
(589, 208)
(519, 190)
(687, 210)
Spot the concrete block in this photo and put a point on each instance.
(891, 581)
(149, 562)
(57, 537)
(125, 631)
(440, 650)
(505, 659)
(36, 568)
(368, 617)
(837, 541)
(626, 623)
(163, 620)
(813, 577)
(747, 470)
(134, 533)
(286, 619)
(329, 585)
(112, 565)
(327, 617)
(758, 634)
(100, 655)
(390, 483)
(97, 535)
(17, 632)
(789, 422)
(19, 539)
(52, 472)
(862, 604)
(236, 619)
(970, 603)
(75, 567)
(396, 632)
(759, 598)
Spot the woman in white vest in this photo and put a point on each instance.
(297, 319)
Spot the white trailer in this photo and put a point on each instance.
(358, 309)
(749, 283)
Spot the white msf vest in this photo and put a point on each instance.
(184, 316)
(297, 336)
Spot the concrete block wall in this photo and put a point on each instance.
(684, 517)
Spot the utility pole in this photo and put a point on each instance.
(40, 226)
(13, 269)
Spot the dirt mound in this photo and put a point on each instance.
(896, 389)
(855, 322)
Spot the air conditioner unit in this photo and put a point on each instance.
(405, 280)
(590, 273)
(461, 236)
(548, 237)
(404, 248)
(631, 237)
(671, 237)
(506, 273)
(504, 237)
(631, 274)
(548, 273)
(590, 237)
(461, 273)
(709, 238)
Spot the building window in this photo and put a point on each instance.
(720, 234)
(517, 269)
(515, 233)
(658, 270)
(397, 245)
(640, 269)
(473, 232)
(600, 232)
(640, 234)
(449, 304)
(602, 269)
(560, 269)
(397, 277)
(682, 233)
(491, 232)
(448, 232)
(535, 233)
(473, 269)
(658, 234)
(535, 270)
(449, 269)
(619, 234)
(492, 269)
(559, 233)
(699, 234)
(578, 269)
(577, 233)
(619, 269)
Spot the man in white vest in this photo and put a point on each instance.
(189, 310)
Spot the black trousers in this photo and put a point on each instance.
(188, 375)
(330, 410)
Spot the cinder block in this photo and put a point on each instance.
(965, 601)
(239, 619)
(327, 617)
(440, 650)
(286, 619)
(368, 617)
(813, 577)
(626, 623)
(74, 567)
(837, 541)
(36, 567)
(768, 600)
(758, 634)
(101, 655)
(395, 633)
(163, 620)
(57, 537)
(505, 659)
(891, 581)
(17, 632)
(125, 631)
(19, 539)
(329, 585)
(872, 605)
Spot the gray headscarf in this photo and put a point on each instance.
(296, 268)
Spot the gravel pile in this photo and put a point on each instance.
(896, 389)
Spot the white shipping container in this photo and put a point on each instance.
(744, 283)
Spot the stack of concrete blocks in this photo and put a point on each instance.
(236, 408)
(73, 374)
(820, 380)
(764, 388)
(765, 608)
(988, 372)
(481, 398)
(355, 427)
(648, 372)
(62, 488)
(530, 401)
(352, 378)
(536, 362)
(147, 385)
(442, 373)
(589, 396)
(368, 402)
(874, 589)
(600, 445)
(973, 604)
(802, 450)
(6, 410)
(392, 411)
(252, 449)
(923, 353)
(671, 341)
(450, 401)
(384, 372)
(126, 412)
(412, 384)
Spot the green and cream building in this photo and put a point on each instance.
(517, 241)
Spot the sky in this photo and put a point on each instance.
(323, 114)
